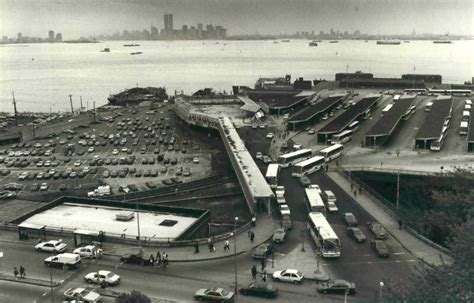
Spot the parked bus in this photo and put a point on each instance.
(387, 108)
(293, 157)
(409, 113)
(463, 128)
(396, 98)
(332, 152)
(323, 235)
(437, 144)
(468, 102)
(354, 126)
(314, 202)
(308, 166)
(418, 91)
(468, 107)
(428, 106)
(342, 137)
(272, 175)
(453, 92)
(466, 116)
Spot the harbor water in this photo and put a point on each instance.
(44, 75)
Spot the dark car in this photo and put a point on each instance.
(305, 181)
(260, 289)
(134, 259)
(350, 219)
(377, 229)
(381, 248)
(262, 251)
(337, 287)
(357, 234)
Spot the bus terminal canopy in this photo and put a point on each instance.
(26, 230)
(82, 236)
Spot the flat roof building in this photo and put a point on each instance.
(433, 126)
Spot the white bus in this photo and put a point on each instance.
(324, 236)
(468, 107)
(293, 157)
(409, 113)
(387, 108)
(396, 98)
(342, 137)
(420, 91)
(466, 116)
(272, 175)
(308, 166)
(314, 202)
(332, 152)
(354, 126)
(463, 128)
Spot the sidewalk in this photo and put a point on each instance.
(418, 248)
(27, 280)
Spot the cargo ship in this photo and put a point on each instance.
(313, 43)
(442, 41)
(131, 45)
(334, 41)
(388, 42)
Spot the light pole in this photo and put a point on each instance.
(51, 283)
(235, 256)
(318, 256)
(381, 284)
(138, 227)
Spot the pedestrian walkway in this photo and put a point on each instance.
(417, 247)
(263, 231)
(27, 280)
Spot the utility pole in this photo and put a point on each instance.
(94, 112)
(14, 107)
(398, 188)
(72, 108)
(80, 97)
(34, 130)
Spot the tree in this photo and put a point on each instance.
(133, 297)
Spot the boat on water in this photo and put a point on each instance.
(313, 43)
(388, 42)
(105, 50)
(443, 41)
(136, 53)
(406, 41)
(334, 41)
(276, 42)
(131, 45)
(285, 40)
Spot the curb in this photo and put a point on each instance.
(37, 282)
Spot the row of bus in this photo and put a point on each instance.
(433, 92)
(466, 118)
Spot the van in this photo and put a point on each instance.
(286, 222)
(67, 260)
(330, 201)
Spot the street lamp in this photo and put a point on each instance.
(381, 284)
(235, 256)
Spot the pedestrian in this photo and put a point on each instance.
(22, 271)
(254, 221)
(252, 236)
(165, 260)
(264, 275)
(151, 260)
(249, 232)
(226, 245)
(400, 224)
(196, 247)
(254, 272)
(15, 272)
(158, 260)
(355, 193)
(381, 164)
(360, 189)
(262, 263)
(352, 186)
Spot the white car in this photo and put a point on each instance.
(311, 131)
(332, 207)
(90, 150)
(89, 251)
(44, 186)
(284, 209)
(288, 275)
(259, 156)
(102, 277)
(77, 163)
(195, 160)
(51, 246)
(115, 152)
(280, 191)
(82, 294)
(270, 136)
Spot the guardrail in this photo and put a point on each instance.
(393, 170)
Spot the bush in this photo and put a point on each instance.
(133, 297)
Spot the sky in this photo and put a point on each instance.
(75, 18)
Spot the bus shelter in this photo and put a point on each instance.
(30, 230)
(85, 237)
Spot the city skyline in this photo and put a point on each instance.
(88, 18)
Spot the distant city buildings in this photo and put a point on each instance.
(52, 38)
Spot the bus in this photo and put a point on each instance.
(308, 166)
(409, 113)
(396, 98)
(272, 175)
(418, 91)
(453, 92)
(387, 108)
(342, 137)
(293, 157)
(324, 237)
(463, 128)
(332, 152)
(314, 202)
(354, 126)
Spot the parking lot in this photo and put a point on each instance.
(135, 147)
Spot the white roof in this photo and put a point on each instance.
(86, 232)
(331, 148)
(320, 222)
(272, 170)
(313, 196)
(295, 153)
(31, 225)
(310, 161)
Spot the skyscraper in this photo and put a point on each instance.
(51, 36)
(168, 23)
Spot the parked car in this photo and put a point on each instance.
(214, 294)
(51, 246)
(270, 136)
(262, 251)
(337, 287)
(356, 234)
(350, 219)
(66, 260)
(102, 277)
(288, 275)
(260, 289)
(82, 294)
(378, 230)
(279, 236)
(381, 248)
(89, 251)
(305, 181)
(134, 259)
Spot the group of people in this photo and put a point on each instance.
(160, 260)
(21, 273)
(263, 270)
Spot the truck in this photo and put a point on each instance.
(100, 191)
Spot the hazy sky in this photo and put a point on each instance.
(75, 18)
